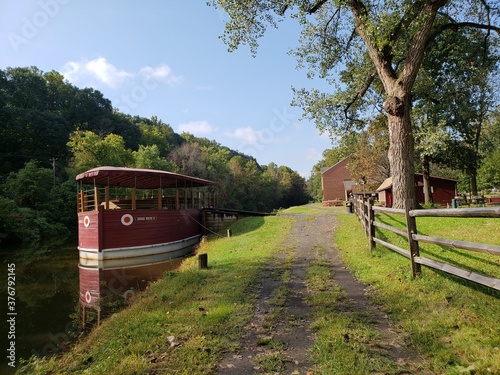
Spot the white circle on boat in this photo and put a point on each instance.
(129, 295)
(88, 297)
(86, 221)
(127, 219)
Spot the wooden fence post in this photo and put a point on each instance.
(411, 225)
(96, 198)
(371, 227)
(366, 216)
(361, 211)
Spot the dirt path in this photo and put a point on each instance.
(279, 336)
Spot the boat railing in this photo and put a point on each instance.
(129, 199)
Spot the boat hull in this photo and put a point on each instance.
(121, 251)
(109, 259)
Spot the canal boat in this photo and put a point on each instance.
(133, 225)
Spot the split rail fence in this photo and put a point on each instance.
(366, 212)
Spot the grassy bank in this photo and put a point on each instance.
(184, 322)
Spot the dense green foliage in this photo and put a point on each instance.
(51, 130)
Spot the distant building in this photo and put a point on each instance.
(336, 182)
(443, 190)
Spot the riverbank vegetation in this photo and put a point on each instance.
(186, 321)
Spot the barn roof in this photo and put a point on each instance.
(385, 185)
(139, 178)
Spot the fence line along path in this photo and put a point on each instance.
(366, 212)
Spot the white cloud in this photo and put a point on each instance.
(197, 127)
(99, 69)
(246, 135)
(161, 73)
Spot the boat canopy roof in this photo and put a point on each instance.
(139, 178)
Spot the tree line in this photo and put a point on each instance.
(51, 130)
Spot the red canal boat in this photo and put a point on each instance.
(133, 225)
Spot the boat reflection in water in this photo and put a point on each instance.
(133, 225)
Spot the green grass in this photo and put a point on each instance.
(344, 340)
(270, 362)
(310, 209)
(453, 324)
(204, 311)
(482, 230)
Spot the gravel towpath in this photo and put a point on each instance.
(279, 334)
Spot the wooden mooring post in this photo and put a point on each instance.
(203, 261)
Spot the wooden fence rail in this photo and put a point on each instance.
(366, 212)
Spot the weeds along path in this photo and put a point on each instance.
(279, 338)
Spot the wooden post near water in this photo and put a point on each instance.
(203, 261)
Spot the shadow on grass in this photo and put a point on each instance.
(472, 285)
(461, 253)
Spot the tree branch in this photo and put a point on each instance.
(419, 42)
(316, 7)
(330, 20)
(406, 20)
(283, 10)
(359, 94)
(367, 85)
(457, 25)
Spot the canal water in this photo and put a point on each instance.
(40, 319)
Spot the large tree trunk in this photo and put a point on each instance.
(401, 149)
(398, 85)
(473, 183)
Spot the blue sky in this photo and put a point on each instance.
(165, 59)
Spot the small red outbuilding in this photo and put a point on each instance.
(443, 190)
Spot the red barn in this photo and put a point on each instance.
(336, 181)
(443, 190)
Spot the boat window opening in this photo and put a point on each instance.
(91, 198)
(136, 189)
